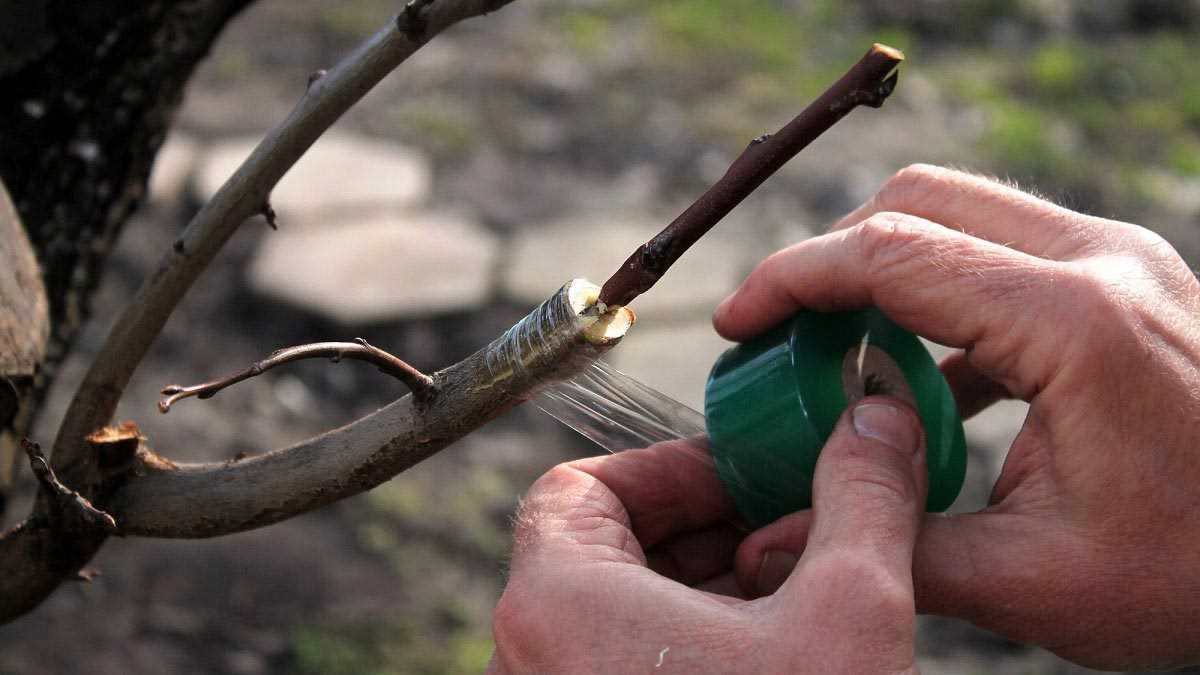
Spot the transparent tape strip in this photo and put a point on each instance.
(617, 412)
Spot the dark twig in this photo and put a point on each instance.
(314, 76)
(71, 509)
(868, 82)
(268, 212)
(411, 22)
(422, 385)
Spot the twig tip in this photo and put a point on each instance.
(890, 52)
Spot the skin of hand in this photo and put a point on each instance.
(624, 563)
(1090, 544)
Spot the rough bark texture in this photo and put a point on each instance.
(24, 325)
(89, 90)
(75, 210)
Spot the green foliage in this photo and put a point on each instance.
(355, 19)
(1059, 70)
(462, 517)
(398, 647)
(1080, 114)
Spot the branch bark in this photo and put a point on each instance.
(556, 341)
(36, 560)
(24, 330)
(242, 196)
(69, 510)
(89, 90)
(868, 82)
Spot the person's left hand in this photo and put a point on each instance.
(624, 563)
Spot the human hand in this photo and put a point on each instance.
(1090, 545)
(624, 563)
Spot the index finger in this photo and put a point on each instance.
(984, 208)
(950, 287)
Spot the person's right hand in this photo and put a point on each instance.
(1091, 543)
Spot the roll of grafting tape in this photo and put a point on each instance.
(770, 405)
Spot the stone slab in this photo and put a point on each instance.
(593, 246)
(174, 167)
(383, 267)
(672, 357)
(340, 171)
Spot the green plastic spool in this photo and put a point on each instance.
(770, 405)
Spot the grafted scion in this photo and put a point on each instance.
(868, 82)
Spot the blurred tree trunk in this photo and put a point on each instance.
(89, 88)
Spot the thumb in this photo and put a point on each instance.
(868, 494)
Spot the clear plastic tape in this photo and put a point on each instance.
(617, 412)
(571, 384)
(542, 346)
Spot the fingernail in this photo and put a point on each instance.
(886, 424)
(776, 567)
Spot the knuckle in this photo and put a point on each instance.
(911, 186)
(888, 239)
(1099, 289)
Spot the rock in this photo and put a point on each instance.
(595, 245)
(173, 168)
(673, 358)
(379, 268)
(340, 171)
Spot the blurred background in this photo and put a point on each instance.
(510, 154)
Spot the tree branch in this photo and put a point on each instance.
(150, 496)
(69, 510)
(419, 383)
(36, 560)
(868, 82)
(556, 341)
(242, 196)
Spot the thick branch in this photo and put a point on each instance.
(868, 82)
(419, 383)
(157, 498)
(45, 558)
(242, 196)
(554, 342)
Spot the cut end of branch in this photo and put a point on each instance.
(116, 446)
(888, 52)
(606, 323)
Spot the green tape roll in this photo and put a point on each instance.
(770, 405)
